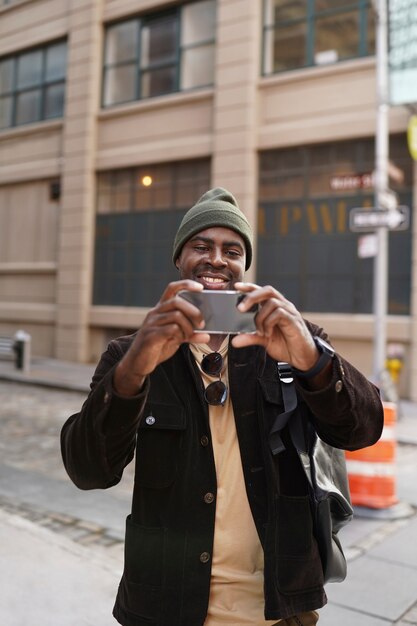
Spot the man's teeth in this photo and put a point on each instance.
(210, 279)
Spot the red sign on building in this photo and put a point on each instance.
(350, 182)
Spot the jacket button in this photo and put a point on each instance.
(204, 440)
(338, 386)
(209, 498)
(205, 557)
(150, 420)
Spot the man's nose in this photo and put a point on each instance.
(217, 257)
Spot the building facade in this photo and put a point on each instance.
(116, 115)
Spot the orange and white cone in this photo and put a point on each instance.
(372, 470)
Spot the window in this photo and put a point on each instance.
(305, 246)
(138, 213)
(302, 33)
(161, 53)
(32, 85)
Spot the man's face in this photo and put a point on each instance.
(215, 257)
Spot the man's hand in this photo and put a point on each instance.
(279, 327)
(169, 324)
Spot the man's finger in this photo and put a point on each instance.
(179, 285)
(248, 339)
(259, 295)
(200, 338)
(245, 287)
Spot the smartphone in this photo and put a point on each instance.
(220, 312)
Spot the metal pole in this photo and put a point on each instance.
(380, 293)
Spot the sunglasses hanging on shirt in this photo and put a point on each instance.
(216, 392)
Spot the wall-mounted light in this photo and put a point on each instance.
(55, 190)
(146, 181)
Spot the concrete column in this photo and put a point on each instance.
(413, 339)
(76, 231)
(234, 161)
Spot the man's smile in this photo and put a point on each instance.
(210, 281)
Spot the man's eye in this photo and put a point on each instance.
(235, 253)
(200, 248)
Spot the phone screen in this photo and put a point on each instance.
(220, 312)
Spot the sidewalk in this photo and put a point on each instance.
(50, 373)
(48, 580)
(51, 579)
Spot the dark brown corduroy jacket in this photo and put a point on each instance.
(169, 534)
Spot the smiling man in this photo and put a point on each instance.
(220, 532)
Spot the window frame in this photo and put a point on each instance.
(362, 8)
(40, 87)
(157, 65)
(142, 21)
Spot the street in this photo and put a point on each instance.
(32, 475)
(51, 518)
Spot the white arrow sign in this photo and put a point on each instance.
(371, 219)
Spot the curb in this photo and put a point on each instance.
(42, 382)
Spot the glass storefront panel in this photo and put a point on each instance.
(138, 213)
(305, 245)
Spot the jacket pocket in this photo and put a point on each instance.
(298, 565)
(160, 438)
(271, 391)
(140, 590)
(295, 527)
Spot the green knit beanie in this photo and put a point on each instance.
(216, 207)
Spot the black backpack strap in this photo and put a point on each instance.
(289, 398)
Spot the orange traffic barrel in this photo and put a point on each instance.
(371, 471)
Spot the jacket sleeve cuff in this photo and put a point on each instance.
(121, 413)
(331, 401)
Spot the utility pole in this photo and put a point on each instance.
(380, 287)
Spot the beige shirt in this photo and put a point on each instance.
(236, 589)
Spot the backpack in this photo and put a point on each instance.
(325, 469)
